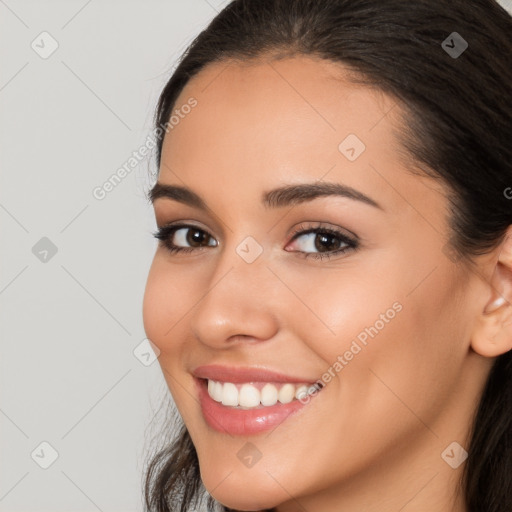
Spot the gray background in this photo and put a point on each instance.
(70, 321)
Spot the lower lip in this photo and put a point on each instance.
(229, 420)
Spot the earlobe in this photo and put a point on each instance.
(492, 335)
(493, 331)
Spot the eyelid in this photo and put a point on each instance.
(311, 226)
(183, 223)
(300, 229)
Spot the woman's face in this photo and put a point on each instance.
(384, 322)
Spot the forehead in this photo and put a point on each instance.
(293, 99)
(264, 123)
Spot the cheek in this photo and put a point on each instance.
(331, 308)
(165, 302)
(410, 352)
(167, 299)
(379, 342)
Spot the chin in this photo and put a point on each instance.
(251, 493)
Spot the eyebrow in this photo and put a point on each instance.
(277, 198)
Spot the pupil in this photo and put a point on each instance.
(196, 237)
(324, 242)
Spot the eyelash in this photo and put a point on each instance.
(165, 234)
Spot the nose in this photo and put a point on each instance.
(238, 305)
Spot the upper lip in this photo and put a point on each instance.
(239, 374)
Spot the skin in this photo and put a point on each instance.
(372, 439)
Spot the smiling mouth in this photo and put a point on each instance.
(239, 408)
(248, 400)
(258, 395)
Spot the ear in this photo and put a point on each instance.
(492, 335)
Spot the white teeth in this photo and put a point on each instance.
(301, 392)
(269, 395)
(217, 391)
(249, 395)
(287, 393)
(229, 394)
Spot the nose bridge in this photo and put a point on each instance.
(242, 262)
(236, 301)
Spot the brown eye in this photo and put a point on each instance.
(320, 242)
(195, 237)
(184, 238)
